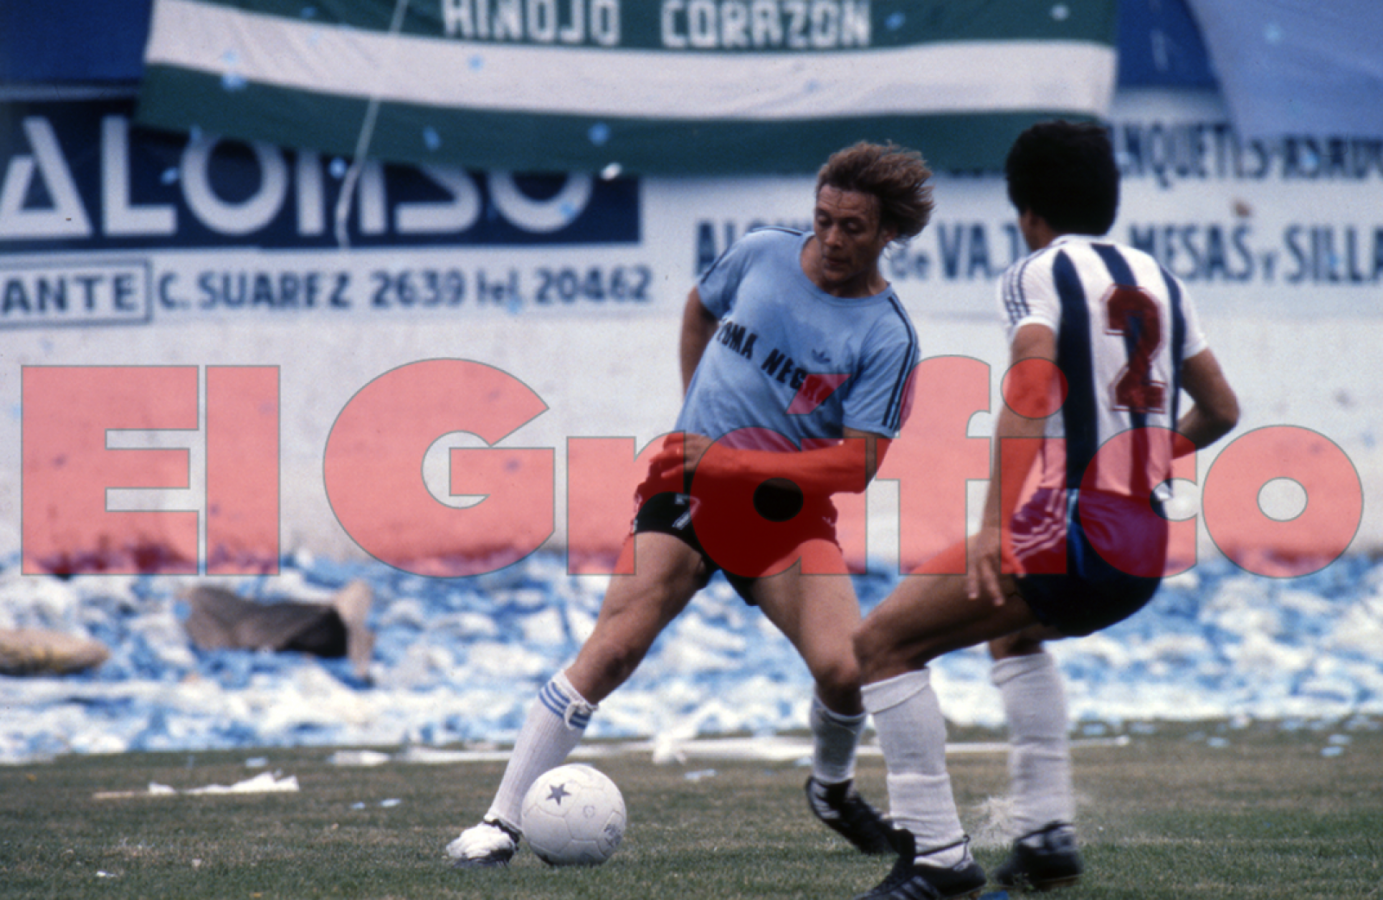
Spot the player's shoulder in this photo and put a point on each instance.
(767, 236)
(763, 242)
(759, 245)
(1125, 264)
(1027, 272)
(1034, 261)
(1081, 252)
(1132, 256)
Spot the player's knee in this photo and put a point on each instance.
(881, 654)
(838, 679)
(864, 642)
(874, 651)
(1020, 643)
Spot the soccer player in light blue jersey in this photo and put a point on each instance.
(1102, 342)
(797, 360)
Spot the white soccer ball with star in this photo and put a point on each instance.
(573, 815)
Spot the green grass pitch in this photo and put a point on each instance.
(1181, 813)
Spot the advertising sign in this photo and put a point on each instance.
(250, 297)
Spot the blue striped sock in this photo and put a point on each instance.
(552, 730)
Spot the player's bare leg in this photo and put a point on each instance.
(818, 613)
(636, 609)
(925, 617)
(1044, 853)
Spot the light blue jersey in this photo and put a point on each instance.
(789, 360)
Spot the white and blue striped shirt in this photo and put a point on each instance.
(1123, 326)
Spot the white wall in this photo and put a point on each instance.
(1278, 248)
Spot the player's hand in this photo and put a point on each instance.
(694, 447)
(680, 455)
(985, 563)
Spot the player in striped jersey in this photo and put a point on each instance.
(797, 358)
(1102, 342)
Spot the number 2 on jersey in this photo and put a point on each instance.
(1133, 314)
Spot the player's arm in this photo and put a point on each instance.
(845, 467)
(1030, 389)
(698, 327)
(1216, 409)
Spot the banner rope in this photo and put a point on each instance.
(362, 143)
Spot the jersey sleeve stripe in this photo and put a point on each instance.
(1014, 302)
(713, 266)
(893, 414)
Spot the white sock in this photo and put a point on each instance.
(1039, 759)
(552, 730)
(834, 739)
(912, 734)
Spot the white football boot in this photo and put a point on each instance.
(489, 844)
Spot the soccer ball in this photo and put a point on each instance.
(573, 815)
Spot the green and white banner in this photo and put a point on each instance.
(634, 86)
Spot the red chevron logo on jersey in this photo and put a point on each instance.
(814, 391)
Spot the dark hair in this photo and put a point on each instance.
(895, 175)
(1065, 173)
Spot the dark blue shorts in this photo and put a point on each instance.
(1091, 559)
